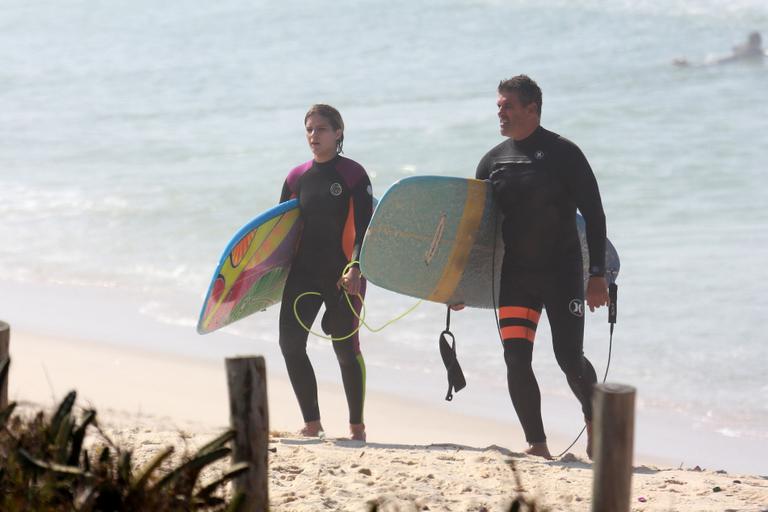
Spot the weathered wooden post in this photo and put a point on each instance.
(249, 417)
(5, 362)
(613, 425)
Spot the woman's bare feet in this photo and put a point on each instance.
(312, 429)
(539, 450)
(357, 431)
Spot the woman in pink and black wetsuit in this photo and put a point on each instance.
(336, 203)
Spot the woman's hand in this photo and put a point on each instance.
(350, 281)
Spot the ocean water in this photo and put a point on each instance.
(137, 137)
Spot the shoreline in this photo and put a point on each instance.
(185, 389)
(139, 382)
(104, 320)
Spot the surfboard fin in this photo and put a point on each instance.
(456, 380)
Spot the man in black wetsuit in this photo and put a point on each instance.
(539, 181)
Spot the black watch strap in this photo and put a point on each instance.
(596, 271)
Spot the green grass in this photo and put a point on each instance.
(45, 467)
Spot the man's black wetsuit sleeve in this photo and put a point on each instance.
(586, 194)
(483, 168)
(362, 200)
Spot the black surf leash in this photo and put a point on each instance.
(613, 292)
(456, 380)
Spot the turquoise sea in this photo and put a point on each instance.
(137, 137)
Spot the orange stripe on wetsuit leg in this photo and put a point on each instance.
(348, 236)
(519, 312)
(518, 332)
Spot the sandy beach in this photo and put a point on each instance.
(416, 458)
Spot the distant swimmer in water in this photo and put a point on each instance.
(751, 50)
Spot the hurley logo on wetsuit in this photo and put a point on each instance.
(539, 155)
(576, 307)
(336, 189)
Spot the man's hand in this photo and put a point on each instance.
(597, 292)
(456, 307)
(350, 281)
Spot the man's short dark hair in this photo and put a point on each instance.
(526, 89)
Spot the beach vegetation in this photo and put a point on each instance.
(45, 466)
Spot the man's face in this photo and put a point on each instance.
(514, 118)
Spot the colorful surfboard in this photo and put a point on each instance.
(439, 238)
(252, 271)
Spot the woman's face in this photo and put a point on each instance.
(322, 138)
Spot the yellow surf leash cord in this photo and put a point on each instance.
(361, 319)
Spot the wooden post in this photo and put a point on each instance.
(5, 362)
(614, 428)
(249, 416)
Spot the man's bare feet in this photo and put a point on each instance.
(589, 438)
(357, 431)
(312, 429)
(539, 450)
